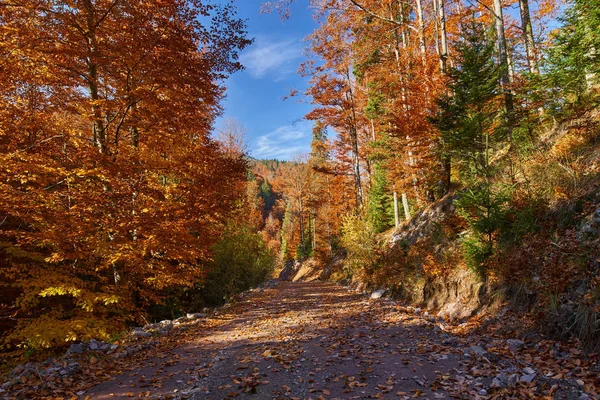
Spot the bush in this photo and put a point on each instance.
(359, 238)
(241, 261)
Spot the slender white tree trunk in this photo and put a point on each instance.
(503, 57)
(405, 206)
(528, 37)
(396, 216)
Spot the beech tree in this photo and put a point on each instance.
(107, 168)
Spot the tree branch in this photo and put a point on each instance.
(40, 142)
(389, 20)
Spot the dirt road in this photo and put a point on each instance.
(299, 340)
(320, 341)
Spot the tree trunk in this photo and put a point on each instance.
(373, 137)
(135, 134)
(98, 128)
(314, 229)
(301, 227)
(503, 58)
(528, 37)
(354, 144)
(443, 53)
(405, 206)
(443, 36)
(421, 25)
(329, 239)
(396, 216)
(404, 104)
(446, 174)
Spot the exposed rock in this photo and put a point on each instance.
(97, 345)
(377, 294)
(424, 222)
(194, 316)
(451, 341)
(497, 383)
(513, 380)
(590, 228)
(77, 348)
(307, 271)
(52, 371)
(515, 345)
(457, 295)
(336, 265)
(475, 350)
(528, 378)
(70, 370)
(503, 380)
(18, 370)
(139, 332)
(288, 271)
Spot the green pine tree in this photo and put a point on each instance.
(470, 122)
(266, 193)
(468, 114)
(380, 208)
(319, 153)
(573, 59)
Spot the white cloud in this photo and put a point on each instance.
(284, 142)
(270, 57)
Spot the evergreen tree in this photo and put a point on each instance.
(380, 207)
(266, 193)
(467, 116)
(468, 119)
(319, 153)
(574, 58)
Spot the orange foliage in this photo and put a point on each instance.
(107, 170)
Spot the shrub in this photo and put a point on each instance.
(359, 238)
(241, 261)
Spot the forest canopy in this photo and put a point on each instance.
(107, 163)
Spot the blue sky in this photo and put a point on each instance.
(275, 127)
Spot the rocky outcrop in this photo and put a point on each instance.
(590, 228)
(336, 265)
(305, 271)
(458, 295)
(425, 222)
(289, 270)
